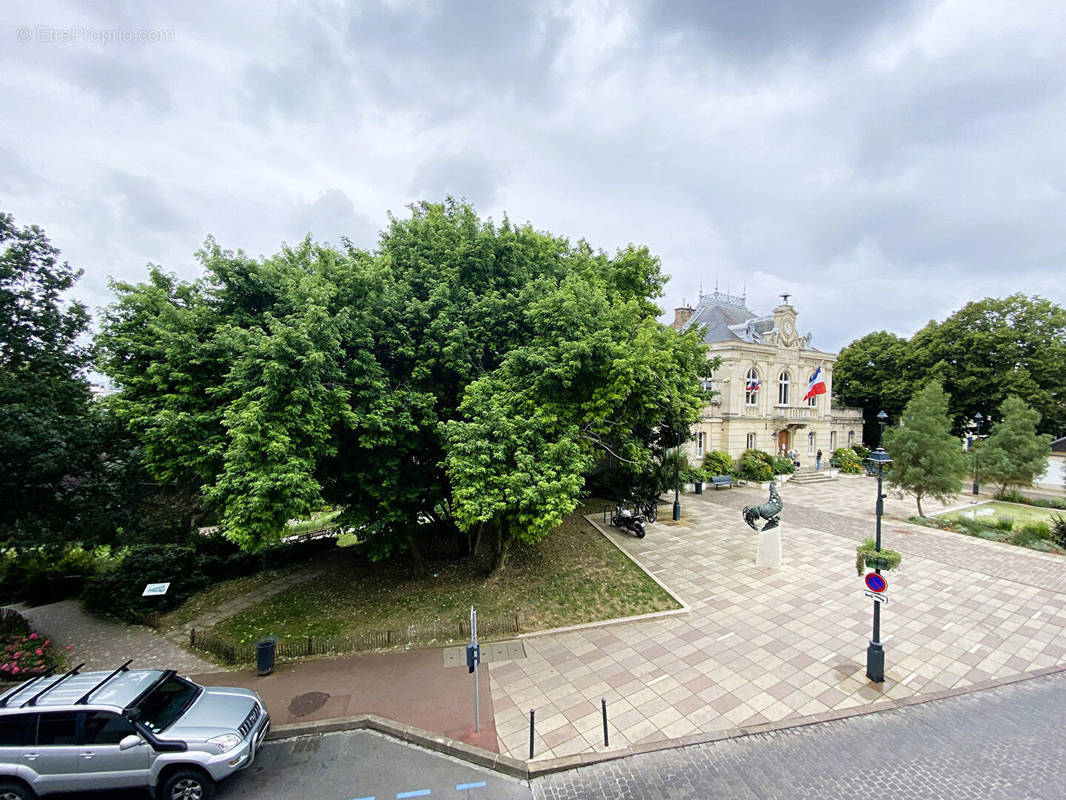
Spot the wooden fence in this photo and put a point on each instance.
(304, 646)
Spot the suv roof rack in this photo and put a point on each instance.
(46, 674)
(33, 700)
(85, 697)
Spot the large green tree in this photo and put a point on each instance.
(65, 467)
(983, 353)
(1014, 454)
(872, 373)
(927, 460)
(316, 376)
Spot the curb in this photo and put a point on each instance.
(527, 770)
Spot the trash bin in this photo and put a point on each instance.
(265, 650)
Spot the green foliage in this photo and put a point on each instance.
(756, 465)
(1058, 530)
(867, 551)
(60, 466)
(846, 460)
(926, 459)
(44, 576)
(982, 354)
(861, 451)
(872, 373)
(1032, 532)
(1014, 454)
(695, 475)
(718, 462)
(465, 373)
(783, 466)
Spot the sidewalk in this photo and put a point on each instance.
(413, 687)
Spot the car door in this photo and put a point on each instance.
(17, 733)
(103, 765)
(54, 757)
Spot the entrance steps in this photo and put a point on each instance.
(810, 475)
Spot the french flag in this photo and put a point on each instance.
(816, 385)
(753, 385)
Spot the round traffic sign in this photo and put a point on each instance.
(876, 583)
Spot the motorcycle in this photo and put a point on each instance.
(649, 509)
(622, 517)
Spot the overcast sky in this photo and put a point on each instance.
(883, 162)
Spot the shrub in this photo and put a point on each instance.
(1042, 502)
(1004, 523)
(756, 465)
(783, 466)
(693, 475)
(23, 653)
(38, 576)
(1058, 530)
(718, 462)
(846, 460)
(861, 450)
(1033, 532)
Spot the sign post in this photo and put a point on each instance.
(473, 658)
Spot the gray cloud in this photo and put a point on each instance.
(472, 176)
(331, 217)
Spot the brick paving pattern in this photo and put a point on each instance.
(998, 744)
(761, 646)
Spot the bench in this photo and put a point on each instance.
(718, 481)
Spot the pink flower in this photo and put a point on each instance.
(70, 647)
(33, 635)
(47, 642)
(40, 652)
(14, 670)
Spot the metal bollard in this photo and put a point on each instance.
(603, 702)
(531, 712)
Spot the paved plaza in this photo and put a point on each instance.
(760, 646)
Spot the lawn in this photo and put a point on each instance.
(574, 576)
(990, 512)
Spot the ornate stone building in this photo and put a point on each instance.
(766, 365)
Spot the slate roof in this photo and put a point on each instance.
(726, 319)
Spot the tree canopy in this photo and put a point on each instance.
(62, 460)
(983, 353)
(462, 375)
(1014, 454)
(927, 460)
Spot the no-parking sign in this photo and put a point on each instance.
(876, 583)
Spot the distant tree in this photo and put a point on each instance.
(927, 460)
(994, 348)
(872, 373)
(1014, 454)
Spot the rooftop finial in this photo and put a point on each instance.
(784, 297)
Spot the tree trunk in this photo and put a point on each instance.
(477, 539)
(416, 557)
(503, 545)
(918, 497)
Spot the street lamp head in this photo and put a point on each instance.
(978, 417)
(882, 417)
(880, 457)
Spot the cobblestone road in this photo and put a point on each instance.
(1000, 744)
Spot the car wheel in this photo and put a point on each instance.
(14, 791)
(188, 784)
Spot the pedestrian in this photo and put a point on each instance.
(818, 461)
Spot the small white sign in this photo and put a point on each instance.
(153, 589)
(880, 598)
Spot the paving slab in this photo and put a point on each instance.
(763, 647)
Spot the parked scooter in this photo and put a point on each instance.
(623, 517)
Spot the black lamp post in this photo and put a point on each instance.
(677, 479)
(882, 420)
(875, 653)
(978, 418)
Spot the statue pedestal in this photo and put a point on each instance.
(769, 554)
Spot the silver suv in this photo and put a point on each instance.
(147, 728)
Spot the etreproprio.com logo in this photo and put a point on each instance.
(76, 34)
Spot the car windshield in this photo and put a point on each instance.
(166, 702)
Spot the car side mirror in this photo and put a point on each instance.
(129, 742)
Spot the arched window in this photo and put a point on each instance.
(812, 401)
(832, 440)
(751, 387)
(751, 441)
(810, 443)
(851, 438)
(783, 382)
